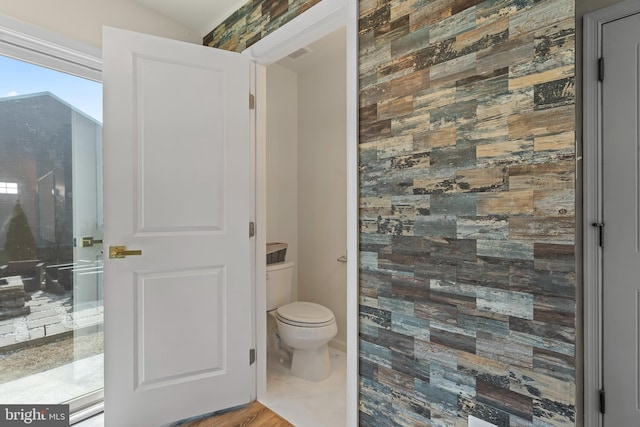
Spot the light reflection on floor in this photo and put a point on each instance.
(305, 403)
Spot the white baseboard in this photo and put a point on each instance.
(338, 345)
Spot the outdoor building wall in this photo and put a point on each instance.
(467, 208)
(35, 139)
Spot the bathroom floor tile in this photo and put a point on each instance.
(305, 403)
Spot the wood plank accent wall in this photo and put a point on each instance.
(467, 210)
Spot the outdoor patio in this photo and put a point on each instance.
(54, 353)
(50, 316)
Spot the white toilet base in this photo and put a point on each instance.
(313, 364)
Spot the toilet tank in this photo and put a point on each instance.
(279, 283)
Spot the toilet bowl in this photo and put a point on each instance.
(304, 327)
(307, 328)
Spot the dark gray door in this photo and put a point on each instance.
(621, 211)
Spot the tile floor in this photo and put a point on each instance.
(304, 403)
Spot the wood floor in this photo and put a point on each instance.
(252, 415)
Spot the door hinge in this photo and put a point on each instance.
(600, 226)
(252, 356)
(601, 69)
(252, 229)
(602, 401)
(252, 102)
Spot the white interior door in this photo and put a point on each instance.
(621, 213)
(177, 188)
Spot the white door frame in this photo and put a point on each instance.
(592, 202)
(315, 23)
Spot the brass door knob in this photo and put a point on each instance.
(121, 252)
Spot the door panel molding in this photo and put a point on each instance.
(151, 336)
(592, 204)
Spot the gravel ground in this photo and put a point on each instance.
(29, 361)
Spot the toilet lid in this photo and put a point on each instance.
(305, 312)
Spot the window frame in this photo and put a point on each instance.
(37, 46)
(6, 186)
(24, 42)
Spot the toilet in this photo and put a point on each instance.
(305, 327)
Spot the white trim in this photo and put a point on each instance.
(255, 368)
(315, 23)
(261, 229)
(28, 43)
(340, 345)
(82, 414)
(592, 254)
(352, 214)
(592, 202)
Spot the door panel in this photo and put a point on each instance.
(158, 333)
(621, 212)
(205, 123)
(177, 188)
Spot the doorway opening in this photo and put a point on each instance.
(306, 186)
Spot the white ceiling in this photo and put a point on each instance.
(199, 15)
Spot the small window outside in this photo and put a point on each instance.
(8, 188)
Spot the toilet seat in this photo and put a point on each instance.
(305, 314)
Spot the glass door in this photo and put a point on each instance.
(51, 312)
